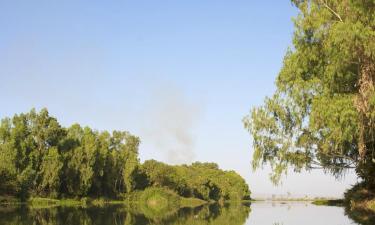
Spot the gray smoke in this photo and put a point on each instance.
(170, 124)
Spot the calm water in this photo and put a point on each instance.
(254, 214)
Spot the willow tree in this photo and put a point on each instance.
(322, 114)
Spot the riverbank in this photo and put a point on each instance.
(360, 197)
(161, 197)
(360, 204)
(315, 201)
(50, 202)
(329, 202)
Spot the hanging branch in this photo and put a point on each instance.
(330, 9)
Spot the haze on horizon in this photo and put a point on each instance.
(181, 76)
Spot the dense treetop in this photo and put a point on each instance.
(322, 114)
(201, 180)
(39, 157)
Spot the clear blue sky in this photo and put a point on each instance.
(179, 74)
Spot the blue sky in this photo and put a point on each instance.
(179, 74)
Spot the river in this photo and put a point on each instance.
(258, 213)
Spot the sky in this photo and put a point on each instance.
(181, 75)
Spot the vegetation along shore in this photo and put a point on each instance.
(43, 163)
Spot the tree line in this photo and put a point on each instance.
(39, 157)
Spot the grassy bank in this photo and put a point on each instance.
(329, 202)
(360, 196)
(162, 198)
(154, 199)
(9, 200)
(360, 204)
(191, 202)
(157, 203)
(83, 202)
(40, 202)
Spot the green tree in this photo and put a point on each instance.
(26, 141)
(51, 169)
(131, 162)
(8, 171)
(322, 114)
(124, 149)
(158, 173)
(80, 161)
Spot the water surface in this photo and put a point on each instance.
(229, 214)
(296, 213)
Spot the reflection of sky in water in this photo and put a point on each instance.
(260, 213)
(296, 214)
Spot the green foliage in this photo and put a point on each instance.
(329, 202)
(9, 200)
(199, 180)
(322, 113)
(51, 170)
(360, 203)
(41, 159)
(359, 193)
(154, 202)
(38, 157)
(191, 202)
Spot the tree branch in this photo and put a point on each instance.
(354, 161)
(330, 9)
(339, 166)
(330, 167)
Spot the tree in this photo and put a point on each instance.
(131, 161)
(322, 114)
(158, 173)
(51, 172)
(125, 149)
(81, 160)
(8, 171)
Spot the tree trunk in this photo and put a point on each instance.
(365, 105)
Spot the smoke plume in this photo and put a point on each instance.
(170, 124)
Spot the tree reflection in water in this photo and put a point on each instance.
(227, 214)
